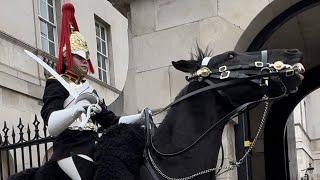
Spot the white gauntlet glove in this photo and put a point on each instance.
(96, 108)
(131, 119)
(93, 99)
(60, 120)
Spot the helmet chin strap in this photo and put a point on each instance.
(79, 72)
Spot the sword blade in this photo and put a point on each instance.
(63, 82)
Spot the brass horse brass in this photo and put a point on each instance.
(203, 72)
(278, 65)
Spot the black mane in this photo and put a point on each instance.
(200, 54)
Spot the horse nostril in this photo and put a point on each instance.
(292, 50)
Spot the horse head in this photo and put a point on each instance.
(187, 142)
(282, 69)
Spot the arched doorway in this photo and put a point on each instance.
(294, 27)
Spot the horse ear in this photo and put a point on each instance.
(186, 66)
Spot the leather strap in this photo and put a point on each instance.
(216, 86)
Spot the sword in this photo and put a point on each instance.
(63, 82)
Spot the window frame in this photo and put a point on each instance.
(104, 74)
(48, 22)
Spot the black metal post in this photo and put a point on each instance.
(241, 135)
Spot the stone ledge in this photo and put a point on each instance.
(21, 86)
(123, 6)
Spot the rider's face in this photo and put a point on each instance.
(80, 62)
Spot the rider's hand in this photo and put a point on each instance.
(96, 108)
(80, 107)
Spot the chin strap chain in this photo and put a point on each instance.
(233, 164)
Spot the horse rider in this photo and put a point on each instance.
(74, 144)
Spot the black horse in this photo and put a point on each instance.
(188, 140)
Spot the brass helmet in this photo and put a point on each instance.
(78, 45)
(71, 41)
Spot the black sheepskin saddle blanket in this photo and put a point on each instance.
(118, 156)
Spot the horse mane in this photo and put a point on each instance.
(200, 54)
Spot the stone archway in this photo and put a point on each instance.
(278, 30)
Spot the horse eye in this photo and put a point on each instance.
(230, 56)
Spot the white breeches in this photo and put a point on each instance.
(68, 166)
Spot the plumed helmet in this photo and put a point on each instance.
(71, 41)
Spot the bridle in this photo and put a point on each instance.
(258, 72)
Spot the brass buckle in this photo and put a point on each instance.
(224, 74)
(247, 143)
(278, 65)
(222, 68)
(204, 72)
(258, 64)
(289, 72)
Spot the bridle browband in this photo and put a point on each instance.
(258, 72)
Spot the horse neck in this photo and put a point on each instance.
(187, 120)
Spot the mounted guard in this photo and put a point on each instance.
(72, 108)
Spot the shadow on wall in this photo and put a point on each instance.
(7, 166)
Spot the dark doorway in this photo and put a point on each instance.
(296, 27)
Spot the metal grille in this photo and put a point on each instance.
(23, 147)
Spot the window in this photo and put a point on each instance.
(47, 26)
(102, 53)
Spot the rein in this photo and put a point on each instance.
(147, 153)
(222, 121)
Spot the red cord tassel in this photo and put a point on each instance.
(91, 69)
(68, 20)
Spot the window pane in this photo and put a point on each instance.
(43, 9)
(103, 47)
(99, 61)
(51, 16)
(43, 29)
(50, 2)
(103, 33)
(50, 32)
(44, 44)
(103, 63)
(105, 77)
(52, 50)
(97, 30)
(99, 73)
(98, 45)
